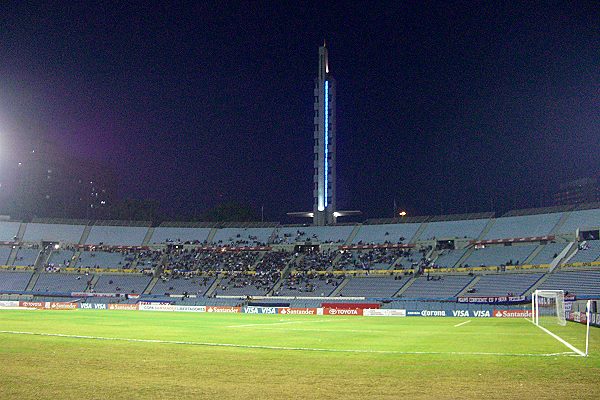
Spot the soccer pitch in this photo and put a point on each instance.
(98, 354)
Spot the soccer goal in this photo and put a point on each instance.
(548, 313)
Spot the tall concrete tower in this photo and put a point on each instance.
(324, 205)
(324, 176)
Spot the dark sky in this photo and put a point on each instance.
(445, 107)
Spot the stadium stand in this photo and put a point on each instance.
(117, 235)
(449, 258)
(26, 256)
(587, 252)
(504, 284)
(581, 219)
(499, 255)
(320, 234)
(385, 233)
(4, 254)
(182, 284)
(523, 226)
(13, 281)
(323, 271)
(376, 259)
(316, 261)
(308, 284)
(60, 258)
(36, 232)
(103, 259)
(385, 286)
(121, 283)
(579, 283)
(61, 283)
(179, 235)
(242, 237)
(548, 253)
(437, 287)
(9, 230)
(454, 229)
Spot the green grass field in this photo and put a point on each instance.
(227, 356)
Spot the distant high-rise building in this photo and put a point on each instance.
(584, 190)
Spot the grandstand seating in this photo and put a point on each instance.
(61, 283)
(446, 287)
(61, 258)
(117, 235)
(179, 235)
(13, 281)
(454, 229)
(548, 252)
(35, 232)
(386, 233)
(8, 230)
(247, 285)
(377, 259)
(318, 261)
(102, 259)
(309, 285)
(242, 237)
(581, 219)
(505, 284)
(580, 283)
(500, 255)
(588, 252)
(194, 269)
(26, 257)
(197, 285)
(523, 226)
(121, 283)
(449, 258)
(5, 254)
(322, 234)
(385, 286)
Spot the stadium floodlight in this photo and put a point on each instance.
(548, 313)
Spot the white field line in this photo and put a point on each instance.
(283, 323)
(569, 345)
(462, 323)
(284, 329)
(265, 347)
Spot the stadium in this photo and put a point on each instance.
(221, 301)
(477, 304)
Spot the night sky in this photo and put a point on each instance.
(445, 108)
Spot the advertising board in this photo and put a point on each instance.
(260, 310)
(298, 311)
(384, 312)
(342, 311)
(128, 307)
(512, 313)
(93, 306)
(222, 309)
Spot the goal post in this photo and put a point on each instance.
(549, 305)
(548, 313)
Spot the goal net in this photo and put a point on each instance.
(549, 307)
(548, 313)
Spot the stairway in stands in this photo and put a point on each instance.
(40, 264)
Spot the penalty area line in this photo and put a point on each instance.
(284, 348)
